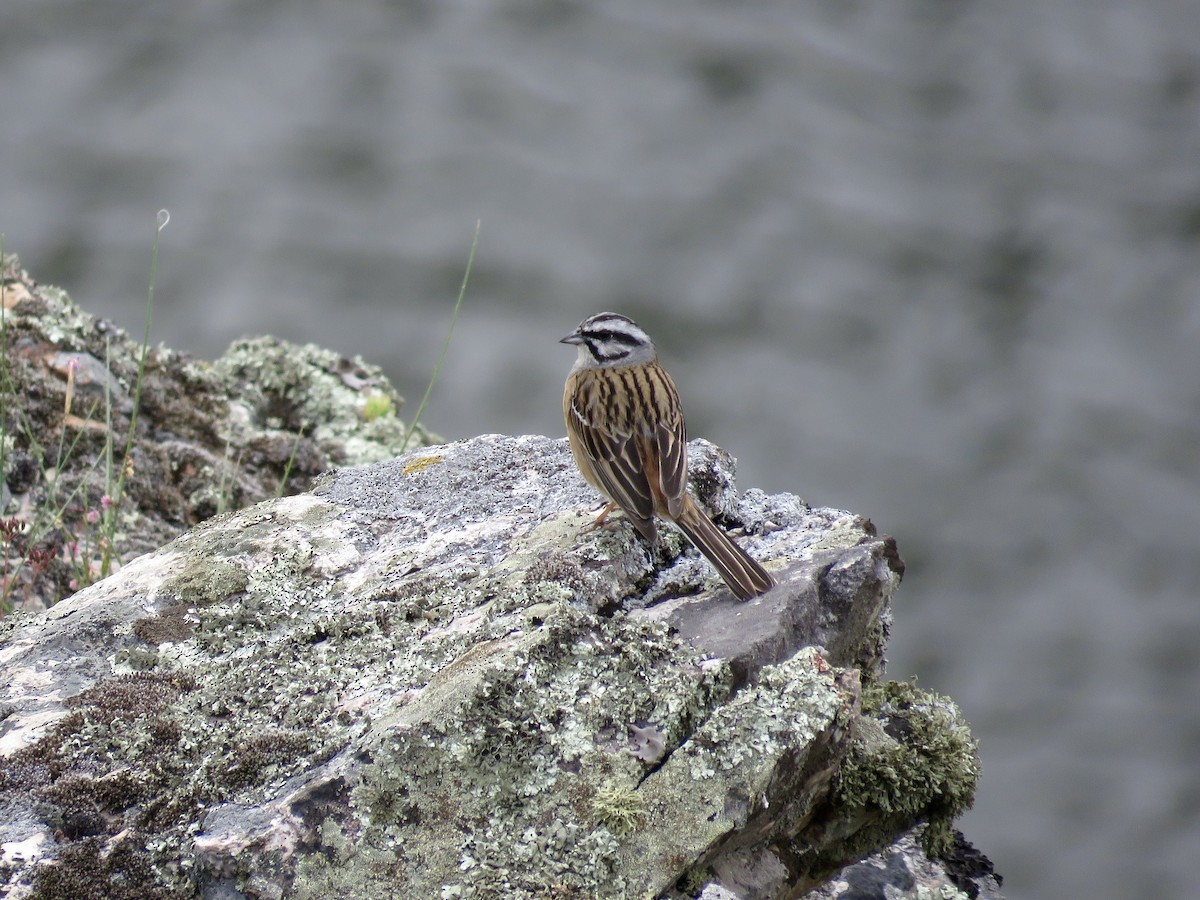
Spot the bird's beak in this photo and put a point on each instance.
(572, 338)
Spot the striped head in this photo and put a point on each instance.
(610, 339)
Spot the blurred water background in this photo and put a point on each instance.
(933, 262)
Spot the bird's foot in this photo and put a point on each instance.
(601, 520)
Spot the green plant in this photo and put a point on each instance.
(291, 461)
(59, 530)
(31, 545)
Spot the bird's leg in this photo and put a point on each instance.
(600, 519)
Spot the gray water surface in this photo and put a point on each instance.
(934, 262)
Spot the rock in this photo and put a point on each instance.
(903, 871)
(418, 680)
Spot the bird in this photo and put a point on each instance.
(627, 434)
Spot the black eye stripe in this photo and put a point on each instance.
(607, 336)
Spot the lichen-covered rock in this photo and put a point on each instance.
(418, 680)
(110, 448)
(903, 870)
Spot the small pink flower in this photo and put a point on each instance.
(73, 364)
(105, 501)
(92, 516)
(73, 584)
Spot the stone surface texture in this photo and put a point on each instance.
(418, 680)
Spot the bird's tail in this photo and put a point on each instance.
(745, 577)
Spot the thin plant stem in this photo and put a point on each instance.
(446, 343)
(126, 459)
(224, 491)
(287, 469)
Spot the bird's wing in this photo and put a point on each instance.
(670, 439)
(616, 463)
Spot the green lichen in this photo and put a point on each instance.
(206, 581)
(913, 759)
(349, 872)
(304, 388)
(67, 323)
(618, 808)
(500, 753)
(789, 704)
(377, 406)
(944, 892)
